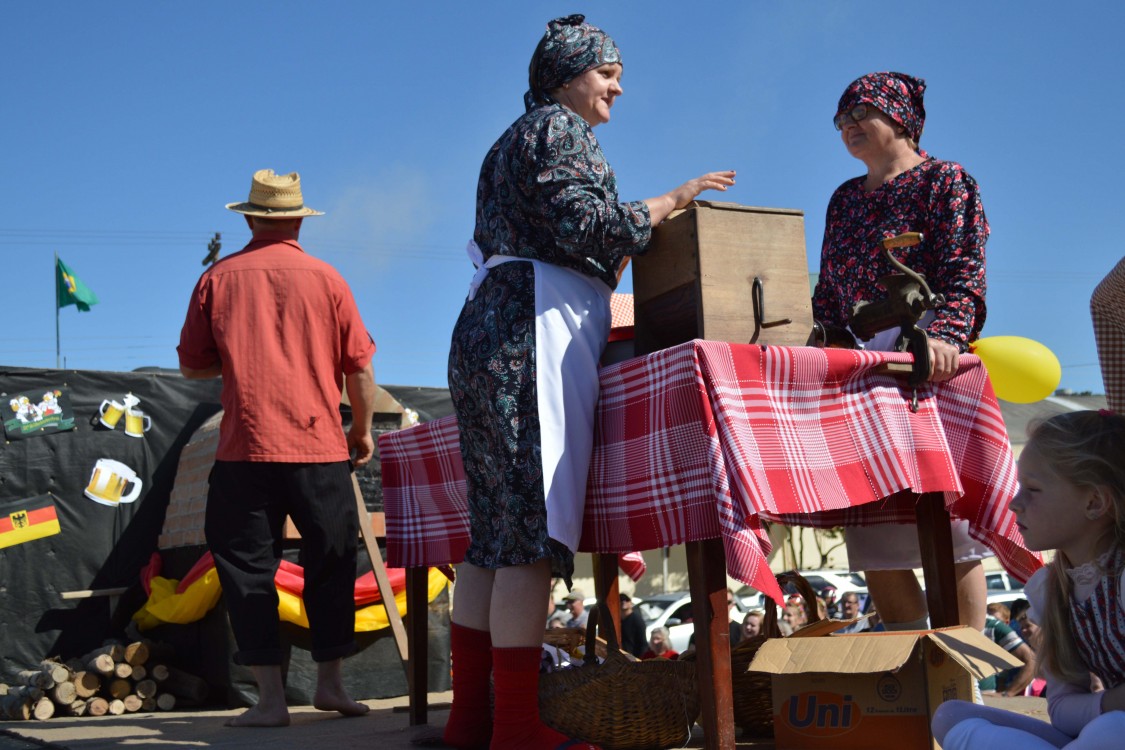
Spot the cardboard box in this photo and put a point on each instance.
(697, 278)
(872, 691)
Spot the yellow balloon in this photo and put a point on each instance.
(1021, 370)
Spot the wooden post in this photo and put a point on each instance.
(417, 589)
(86, 684)
(119, 688)
(97, 707)
(708, 583)
(136, 653)
(607, 589)
(183, 685)
(43, 709)
(935, 542)
(64, 693)
(146, 688)
(100, 664)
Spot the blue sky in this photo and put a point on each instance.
(128, 125)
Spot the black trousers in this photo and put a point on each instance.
(246, 508)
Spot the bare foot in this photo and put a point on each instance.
(258, 717)
(337, 700)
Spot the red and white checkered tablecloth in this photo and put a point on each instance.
(704, 439)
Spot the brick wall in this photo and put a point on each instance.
(183, 521)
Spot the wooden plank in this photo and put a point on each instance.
(708, 583)
(91, 593)
(935, 541)
(896, 369)
(380, 570)
(378, 527)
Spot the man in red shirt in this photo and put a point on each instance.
(282, 330)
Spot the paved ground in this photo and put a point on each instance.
(385, 728)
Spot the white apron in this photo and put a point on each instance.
(572, 322)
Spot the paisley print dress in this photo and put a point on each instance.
(546, 193)
(939, 199)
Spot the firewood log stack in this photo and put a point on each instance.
(113, 679)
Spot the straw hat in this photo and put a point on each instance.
(274, 196)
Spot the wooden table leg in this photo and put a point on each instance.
(417, 640)
(935, 540)
(707, 573)
(606, 588)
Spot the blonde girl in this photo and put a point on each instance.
(1071, 500)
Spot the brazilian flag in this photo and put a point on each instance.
(71, 290)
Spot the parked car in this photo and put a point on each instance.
(675, 612)
(1005, 597)
(841, 580)
(821, 580)
(1000, 580)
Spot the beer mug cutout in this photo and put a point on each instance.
(108, 483)
(137, 423)
(110, 413)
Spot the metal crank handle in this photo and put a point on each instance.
(906, 239)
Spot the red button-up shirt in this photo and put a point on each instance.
(286, 328)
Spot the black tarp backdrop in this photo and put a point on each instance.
(206, 647)
(98, 546)
(102, 547)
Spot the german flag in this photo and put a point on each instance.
(25, 520)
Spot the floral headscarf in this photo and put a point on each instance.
(897, 95)
(568, 49)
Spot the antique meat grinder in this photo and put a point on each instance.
(908, 298)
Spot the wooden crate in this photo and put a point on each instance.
(697, 278)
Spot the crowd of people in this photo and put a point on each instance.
(550, 242)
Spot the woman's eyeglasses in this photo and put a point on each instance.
(856, 114)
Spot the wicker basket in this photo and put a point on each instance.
(621, 704)
(753, 700)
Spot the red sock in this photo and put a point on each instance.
(470, 720)
(516, 724)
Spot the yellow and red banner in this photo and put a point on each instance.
(25, 520)
(188, 600)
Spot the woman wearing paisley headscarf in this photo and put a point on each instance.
(550, 238)
(880, 118)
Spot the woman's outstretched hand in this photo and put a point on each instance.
(661, 206)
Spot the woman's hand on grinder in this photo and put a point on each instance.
(661, 206)
(943, 360)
